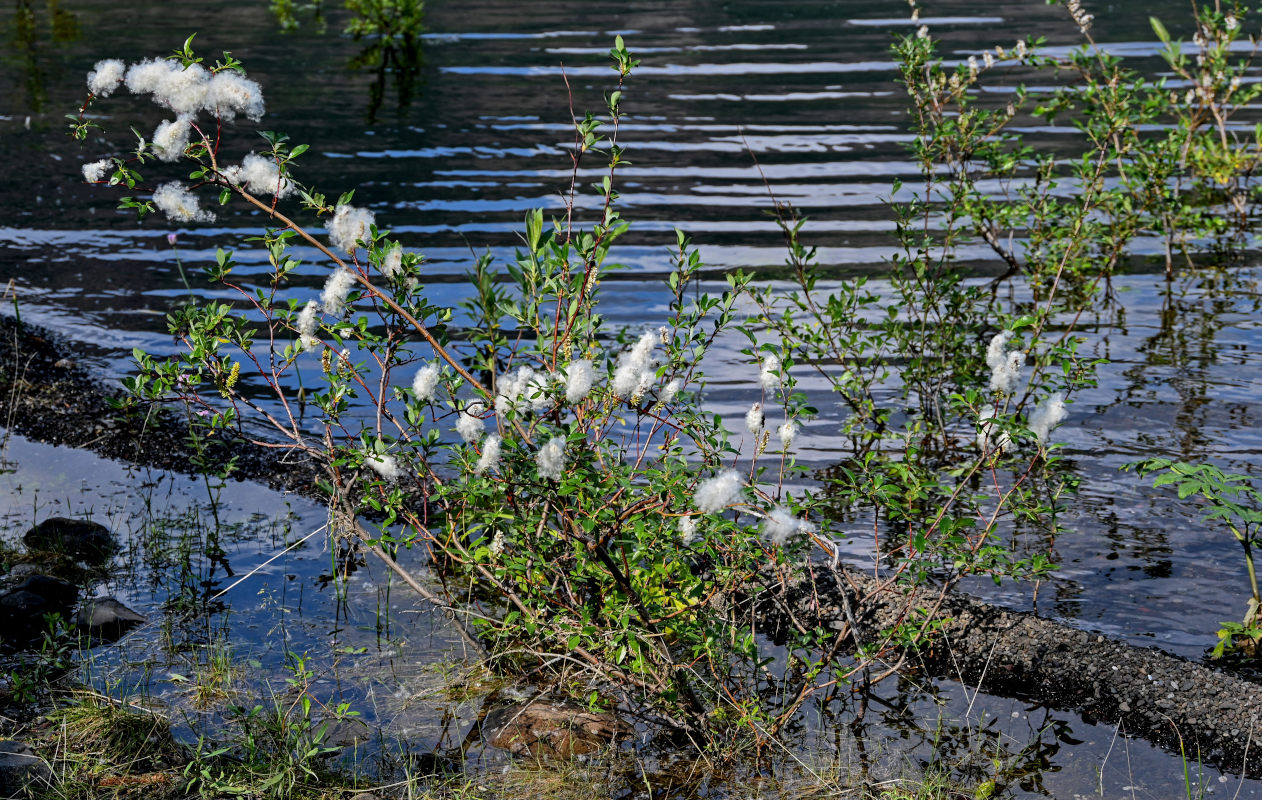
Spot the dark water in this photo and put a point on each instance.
(805, 87)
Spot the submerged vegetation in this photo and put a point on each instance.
(597, 530)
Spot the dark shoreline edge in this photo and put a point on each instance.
(1166, 699)
(45, 395)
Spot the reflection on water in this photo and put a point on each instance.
(36, 32)
(391, 30)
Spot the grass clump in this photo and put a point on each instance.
(100, 747)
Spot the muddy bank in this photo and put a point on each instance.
(45, 396)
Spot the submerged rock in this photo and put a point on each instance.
(21, 770)
(105, 618)
(547, 728)
(79, 538)
(22, 608)
(55, 590)
(346, 733)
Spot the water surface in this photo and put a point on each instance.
(805, 87)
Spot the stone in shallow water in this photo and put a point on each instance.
(105, 618)
(21, 770)
(22, 608)
(80, 538)
(543, 728)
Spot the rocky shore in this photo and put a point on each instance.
(47, 396)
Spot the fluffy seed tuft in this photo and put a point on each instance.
(307, 326)
(105, 77)
(425, 382)
(178, 203)
(717, 493)
(1049, 413)
(336, 289)
(551, 459)
(350, 225)
(490, 454)
(94, 172)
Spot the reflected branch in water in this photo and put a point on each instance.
(393, 29)
(403, 61)
(25, 49)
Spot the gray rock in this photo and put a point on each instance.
(21, 770)
(105, 618)
(79, 538)
(19, 572)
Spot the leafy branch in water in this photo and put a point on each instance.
(1232, 501)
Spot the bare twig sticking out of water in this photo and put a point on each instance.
(1245, 759)
(254, 571)
(1100, 773)
(19, 372)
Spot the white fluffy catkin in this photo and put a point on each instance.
(94, 172)
(425, 382)
(350, 225)
(1049, 413)
(106, 76)
(178, 203)
(688, 529)
(578, 380)
(1005, 365)
(336, 289)
(490, 453)
(779, 525)
(307, 325)
(754, 419)
(259, 175)
(787, 433)
(171, 138)
(551, 459)
(769, 376)
(717, 493)
(230, 93)
(635, 370)
(392, 261)
(384, 465)
(469, 422)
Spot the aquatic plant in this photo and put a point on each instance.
(573, 458)
(605, 529)
(1233, 501)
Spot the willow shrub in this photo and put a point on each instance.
(593, 522)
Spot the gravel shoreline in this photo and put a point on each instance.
(1213, 715)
